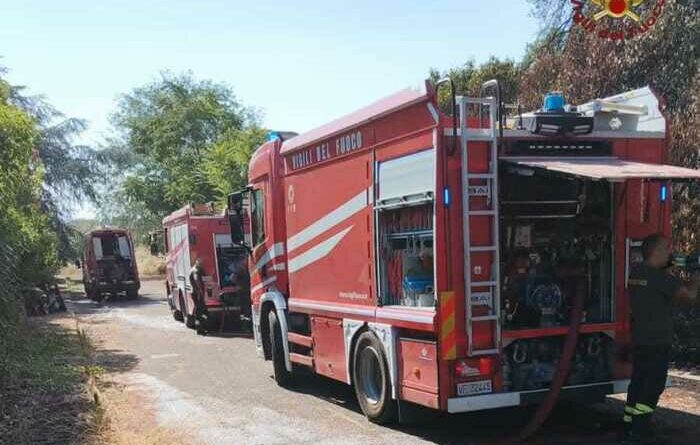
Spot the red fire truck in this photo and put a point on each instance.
(200, 232)
(109, 264)
(440, 260)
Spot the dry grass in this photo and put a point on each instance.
(43, 395)
(129, 421)
(71, 273)
(149, 265)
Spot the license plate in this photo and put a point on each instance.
(472, 388)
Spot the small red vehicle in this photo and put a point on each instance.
(199, 232)
(109, 264)
(454, 262)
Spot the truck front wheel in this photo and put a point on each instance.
(282, 376)
(177, 313)
(372, 380)
(190, 320)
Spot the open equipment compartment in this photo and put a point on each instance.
(406, 250)
(556, 240)
(404, 223)
(554, 230)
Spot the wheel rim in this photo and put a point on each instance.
(371, 382)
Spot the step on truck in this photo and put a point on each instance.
(109, 264)
(201, 232)
(437, 257)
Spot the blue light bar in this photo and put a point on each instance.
(271, 136)
(446, 196)
(663, 192)
(553, 101)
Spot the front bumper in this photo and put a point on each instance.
(509, 399)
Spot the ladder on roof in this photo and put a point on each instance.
(480, 206)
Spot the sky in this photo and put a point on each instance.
(300, 63)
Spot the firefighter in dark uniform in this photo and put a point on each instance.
(240, 281)
(240, 278)
(200, 310)
(652, 292)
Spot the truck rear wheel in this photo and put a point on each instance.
(372, 380)
(282, 376)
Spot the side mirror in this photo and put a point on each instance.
(77, 264)
(235, 218)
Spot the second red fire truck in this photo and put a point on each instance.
(448, 261)
(200, 232)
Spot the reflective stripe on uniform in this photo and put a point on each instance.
(643, 409)
(627, 419)
(632, 411)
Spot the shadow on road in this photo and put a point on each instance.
(569, 423)
(80, 304)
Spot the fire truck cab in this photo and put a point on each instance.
(437, 260)
(200, 232)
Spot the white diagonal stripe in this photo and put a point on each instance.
(275, 251)
(433, 113)
(264, 283)
(327, 222)
(317, 252)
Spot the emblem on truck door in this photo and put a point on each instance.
(291, 206)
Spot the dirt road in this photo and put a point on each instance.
(216, 390)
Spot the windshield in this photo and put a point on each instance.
(111, 246)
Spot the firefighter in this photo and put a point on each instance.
(200, 310)
(652, 291)
(240, 280)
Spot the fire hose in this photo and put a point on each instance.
(689, 262)
(562, 371)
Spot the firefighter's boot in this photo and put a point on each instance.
(640, 431)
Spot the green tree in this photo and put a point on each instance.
(70, 170)
(178, 140)
(225, 164)
(469, 78)
(27, 243)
